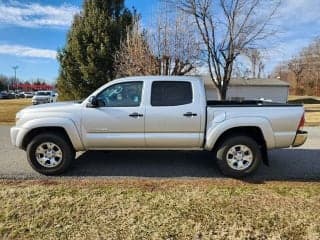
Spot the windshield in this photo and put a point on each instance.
(43, 93)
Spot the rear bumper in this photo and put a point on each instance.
(300, 138)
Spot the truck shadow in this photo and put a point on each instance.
(285, 165)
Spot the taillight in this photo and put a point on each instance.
(302, 122)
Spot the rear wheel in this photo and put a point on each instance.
(238, 156)
(50, 154)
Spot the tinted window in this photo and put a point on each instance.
(171, 93)
(126, 94)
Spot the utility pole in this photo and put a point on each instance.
(15, 74)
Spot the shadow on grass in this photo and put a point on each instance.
(285, 165)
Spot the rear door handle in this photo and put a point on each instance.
(135, 115)
(190, 114)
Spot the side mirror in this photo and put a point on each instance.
(93, 102)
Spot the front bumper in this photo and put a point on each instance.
(40, 101)
(300, 138)
(17, 135)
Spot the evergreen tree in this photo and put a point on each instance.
(4, 81)
(87, 60)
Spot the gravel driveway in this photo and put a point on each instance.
(285, 164)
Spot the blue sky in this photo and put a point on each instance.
(31, 31)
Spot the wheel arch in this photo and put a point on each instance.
(63, 126)
(40, 130)
(253, 132)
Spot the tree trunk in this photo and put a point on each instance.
(298, 87)
(222, 91)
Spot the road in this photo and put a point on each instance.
(285, 164)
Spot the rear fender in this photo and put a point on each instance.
(215, 130)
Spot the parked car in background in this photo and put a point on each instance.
(28, 94)
(20, 94)
(8, 95)
(3, 95)
(41, 97)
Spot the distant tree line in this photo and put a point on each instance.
(4, 82)
(10, 83)
(302, 71)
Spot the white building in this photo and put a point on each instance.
(251, 89)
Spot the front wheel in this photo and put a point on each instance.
(50, 154)
(238, 156)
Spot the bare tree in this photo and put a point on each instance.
(297, 66)
(174, 41)
(261, 67)
(228, 28)
(311, 59)
(256, 59)
(135, 57)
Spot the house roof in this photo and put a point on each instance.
(263, 82)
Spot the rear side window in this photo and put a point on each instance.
(165, 93)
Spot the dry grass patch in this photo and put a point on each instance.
(312, 107)
(9, 108)
(161, 209)
(313, 118)
(312, 114)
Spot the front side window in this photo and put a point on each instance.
(126, 94)
(170, 93)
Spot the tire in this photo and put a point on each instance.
(46, 161)
(238, 165)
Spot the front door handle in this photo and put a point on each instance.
(135, 115)
(190, 114)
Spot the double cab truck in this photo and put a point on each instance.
(157, 113)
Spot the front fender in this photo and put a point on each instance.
(215, 130)
(67, 124)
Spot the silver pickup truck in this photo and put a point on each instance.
(157, 113)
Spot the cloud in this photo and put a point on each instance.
(25, 51)
(299, 23)
(35, 15)
(295, 12)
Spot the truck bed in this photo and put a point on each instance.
(249, 103)
(280, 119)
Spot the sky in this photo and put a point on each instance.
(31, 32)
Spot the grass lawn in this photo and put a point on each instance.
(9, 108)
(312, 107)
(163, 209)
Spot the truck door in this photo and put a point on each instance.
(172, 116)
(119, 121)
